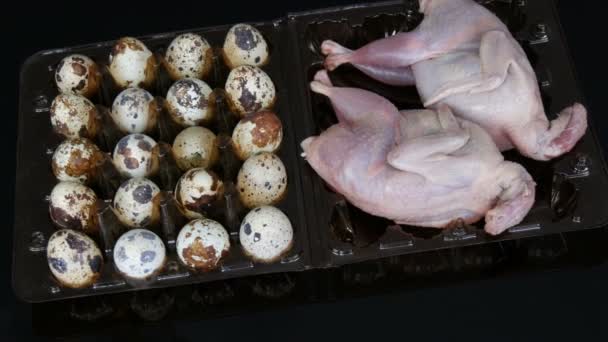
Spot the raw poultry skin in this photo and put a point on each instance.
(419, 167)
(464, 56)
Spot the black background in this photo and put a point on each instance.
(550, 305)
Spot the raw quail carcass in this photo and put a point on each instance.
(464, 56)
(419, 167)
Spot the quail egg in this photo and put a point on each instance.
(262, 180)
(139, 254)
(266, 234)
(202, 243)
(134, 156)
(134, 111)
(76, 160)
(136, 204)
(245, 45)
(74, 258)
(195, 147)
(132, 64)
(188, 55)
(255, 133)
(196, 189)
(74, 206)
(188, 102)
(249, 89)
(74, 116)
(78, 75)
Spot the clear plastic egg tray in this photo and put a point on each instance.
(33, 280)
(328, 231)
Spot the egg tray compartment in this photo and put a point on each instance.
(250, 295)
(570, 189)
(32, 279)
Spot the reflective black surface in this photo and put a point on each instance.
(553, 288)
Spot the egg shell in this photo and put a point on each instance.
(195, 147)
(188, 102)
(76, 160)
(262, 180)
(266, 234)
(256, 133)
(132, 64)
(188, 55)
(77, 74)
(74, 116)
(196, 189)
(245, 45)
(135, 156)
(249, 89)
(202, 243)
(134, 110)
(74, 206)
(74, 258)
(136, 203)
(139, 254)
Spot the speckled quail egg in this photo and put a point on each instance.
(136, 204)
(195, 147)
(188, 102)
(245, 45)
(249, 89)
(134, 156)
(255, 133)
(76, 160)
(74, 116)
(266, 234)
(196, 189)
(134, 110)
(73, 205)
(139, 254)
(262, 180)
(132, 64)
(74, 258)
(77, 74)
(202, 243)
(188, 55)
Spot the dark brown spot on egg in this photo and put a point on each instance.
(132, 44)
(58, 264)
(79, 69)
(62, 128)
(80, 85)
(183, 89)
(144, 145)
(245, 38)
(58, 78)
(200, 256)
(122, 254)
(188, 235)
(143, 194)
(147, 256)
(148, 235)
(131, 163)
(78, 59)
(76, 243)
(247, 228)
(63, 219)
(267, 128)
(123, 147)
(248, 100)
